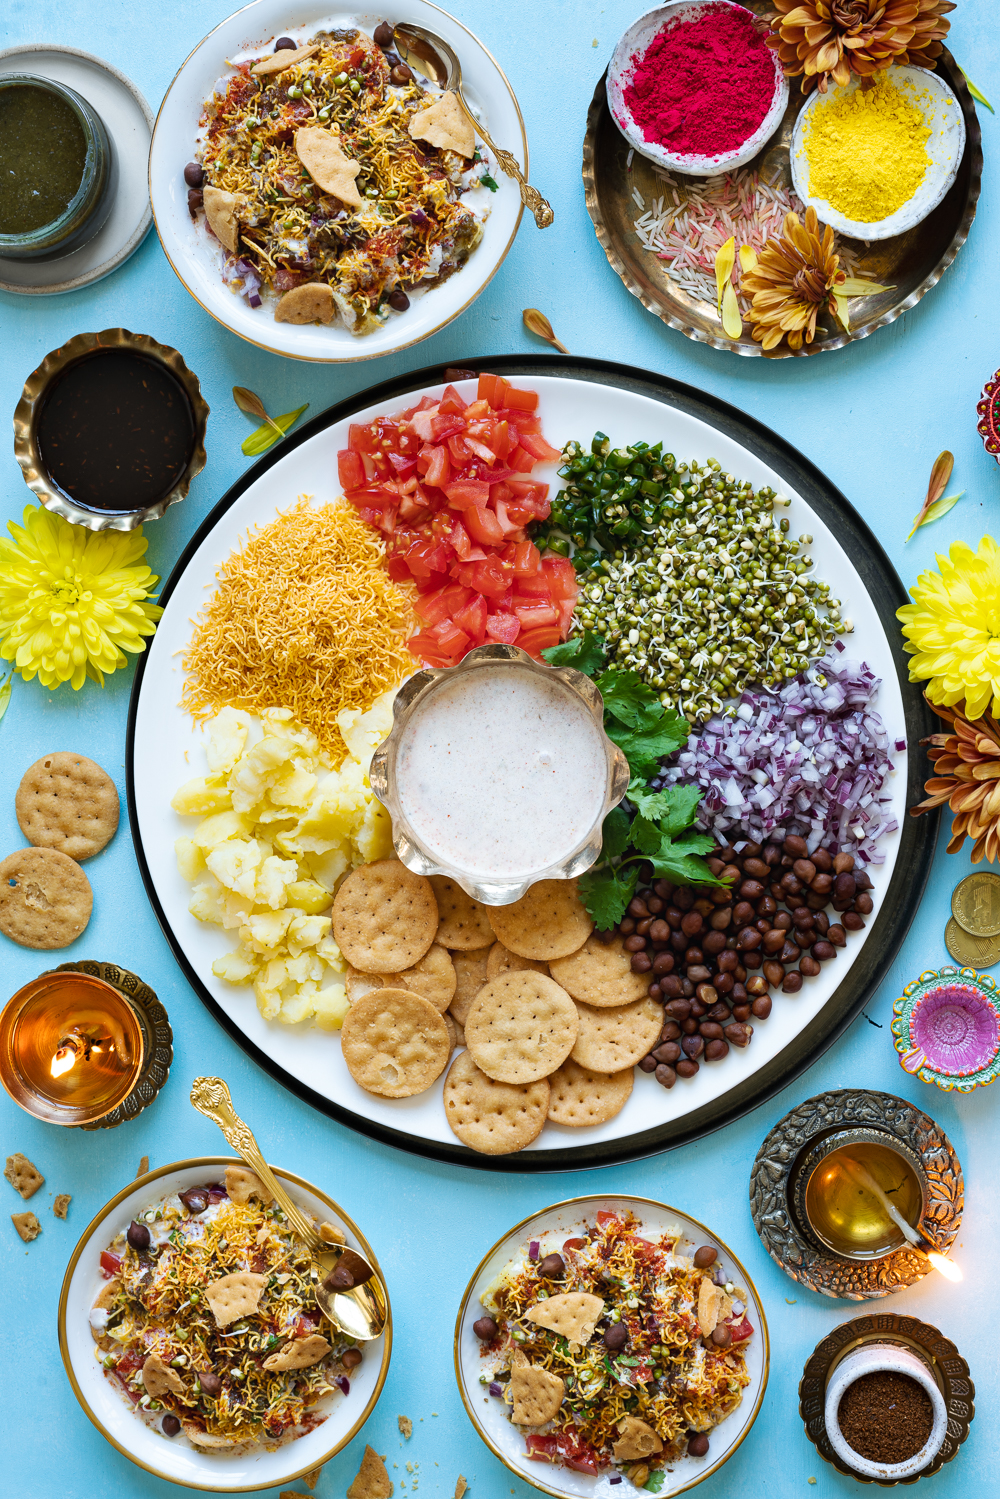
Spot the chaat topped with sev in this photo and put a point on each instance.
(615, 1350)
(336, 182)
(208, 1323)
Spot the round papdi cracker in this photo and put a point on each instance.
(502, 960)
(470, 976)
(433, 978)
(394, 1043)
(600, 974)
(549, 921)
(67, 802)
(384, 917)
(493, 1118)
(610, 1040)
(580, 1097)
(463, 923)
(521, 1027)
(45, 898)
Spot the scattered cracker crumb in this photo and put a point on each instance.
(143, 1167)
(405, 1426)
(24, 1177)
(433, 1413)
(61, 1204)
(409, 1467)
(27, 1226)
(312, 1478)
(593, 44)
(810, 1480)
(461, 1487)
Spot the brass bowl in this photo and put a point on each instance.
(947, 1366)
(109, 1411)
(26, 417)
(811, 1160)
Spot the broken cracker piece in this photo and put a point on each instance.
(204, 1439)
(714, 1306)
(537, 1394)
(22, 1175)
(286, 58)
(321, 154)
(242, 1184)
(573, 1315)
(405, 1425)
(445, 124)
(460, 1487)
(311, 1478)
(220, 211)
(235, 1296)
(143, 1167)
(372, 1482)
(159, 1378)
(300, 1353)
(331, 1234)
(27, 1225)
(61, 1204)
(636, 1440)
(311, 303)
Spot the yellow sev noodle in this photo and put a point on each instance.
(304, 617)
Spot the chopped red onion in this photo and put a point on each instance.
(496, 1389)
(344, 1385)
(616, 1479)
(811, 759)
(533, 1249)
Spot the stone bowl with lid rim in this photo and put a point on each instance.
(876, 1358)
(633, 45)
(421, 859)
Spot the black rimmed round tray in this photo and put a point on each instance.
(630, 405)
(909, 264)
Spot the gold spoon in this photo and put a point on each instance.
(432, 57)
(347, 1290)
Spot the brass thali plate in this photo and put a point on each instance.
(909, 264)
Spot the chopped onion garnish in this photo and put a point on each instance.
(496, 1389)
(533, 1249)
(810, 759)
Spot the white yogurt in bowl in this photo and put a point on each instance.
(499, 773)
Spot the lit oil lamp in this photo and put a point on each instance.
(88, 1044)
(860, 1192)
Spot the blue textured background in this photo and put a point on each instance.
(873, 416)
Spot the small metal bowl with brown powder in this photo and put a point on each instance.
(885, 1415)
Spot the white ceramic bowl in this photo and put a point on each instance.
(505, 1441)
(196, 257)
(174, 1458)
(629, 52)
(870, 1359)
(945, 147)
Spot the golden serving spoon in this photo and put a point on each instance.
(347, 1290)
(432, 57)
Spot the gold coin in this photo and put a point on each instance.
(970, 951)
(975, 904)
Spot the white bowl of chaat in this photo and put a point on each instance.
(317, 197)
(610, 1344)
(192, 1341)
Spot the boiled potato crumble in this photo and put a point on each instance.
(280, 828)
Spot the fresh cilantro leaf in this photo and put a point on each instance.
(675, 863)
(696, 843)
(605, 894)
(488, 181)
(654, 1482)
(585, 652)
(616, 833)
(682, 809)
(646, 836)
(645, 748)
(627, 698)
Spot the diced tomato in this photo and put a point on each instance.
(563, 1447)
(503, 628)
(534, 614)
(438, 470)
(459, 450)
(460, 540)
(427, 649)
(481, 450)
(444, 427)
(449, 637)
(442, 603)
(472, 619)
(110, 1264)
(465, 492)
(305, 1325)
(523, 421)
(561, 576)
(520, 400)
(492, 389)
(524, 517)
(740, 1330)
(451, 402)
(507, 526)
(500, 440)
(524, 558)
(476, 410)
(535, 586)
(375, 496)
(350, 470)
(535, 444)
(402, 466)
(605, 1219)
(483, 525)
(531, 495)
(361, 439)
(565, 607)
(397, 569)
(491, 577)
(520, 460)
(424, 558)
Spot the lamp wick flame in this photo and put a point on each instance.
(64, 1059)
(947, 1267)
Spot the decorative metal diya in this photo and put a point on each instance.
(157, 1038)
(988, 410)
(788, 1239)
(946, 1028)
(946, 1365)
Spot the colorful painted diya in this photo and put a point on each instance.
(988, 411)
(946, 1028)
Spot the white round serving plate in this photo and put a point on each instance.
(630, 51)
(174, 1458)
(197, 257)
(945, 147)
(129, 122)
(564, 1220)
(164, 750)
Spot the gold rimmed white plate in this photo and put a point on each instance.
(173, 1458)
(197, 260)
(488, 1414)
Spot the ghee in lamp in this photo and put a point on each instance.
(70, 1048)
(846, 1214)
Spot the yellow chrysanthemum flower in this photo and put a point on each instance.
(72, 600)
(952, 628)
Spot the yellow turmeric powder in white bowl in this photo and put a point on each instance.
(876, 156)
